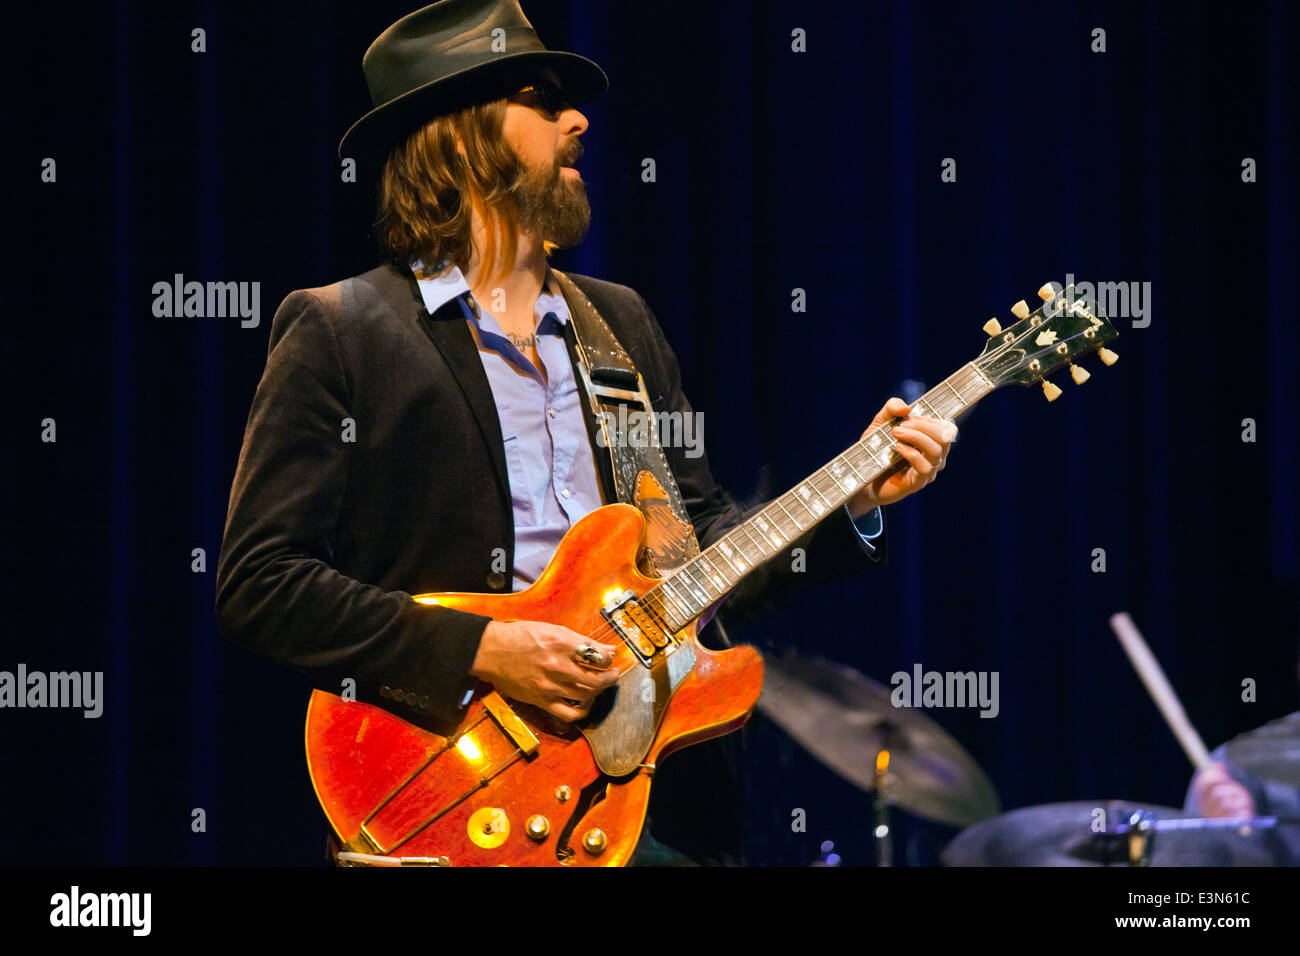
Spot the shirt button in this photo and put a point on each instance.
(551, 412)
(566, 493)
(496, 580)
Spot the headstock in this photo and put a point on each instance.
(1064, 327)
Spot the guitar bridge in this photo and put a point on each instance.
(639, 627)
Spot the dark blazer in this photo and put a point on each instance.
(326, 539)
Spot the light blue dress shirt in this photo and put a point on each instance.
(549, 460)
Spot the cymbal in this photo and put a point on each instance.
(1271, 752)
(845, 719)
(1061, 834)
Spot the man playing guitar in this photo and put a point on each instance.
(420, 428)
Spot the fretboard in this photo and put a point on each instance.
(692, 588)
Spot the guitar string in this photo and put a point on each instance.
(656, 599)
(652, 600)
(957, 383)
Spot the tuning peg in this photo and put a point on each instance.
(1079, 374)
(1051, 391)
(1020, 310)
(992, 327)
(1046, 292)
(1107, 356)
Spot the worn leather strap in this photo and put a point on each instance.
(609, 379)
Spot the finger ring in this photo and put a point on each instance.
(586, 654)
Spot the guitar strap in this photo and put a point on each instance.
(622, 420)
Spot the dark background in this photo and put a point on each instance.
(775, 170)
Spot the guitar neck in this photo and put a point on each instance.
(692, 588)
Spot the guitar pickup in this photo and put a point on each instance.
(641, 618)
(637, 626)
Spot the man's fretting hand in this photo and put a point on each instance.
(533, 662)
(923, 442)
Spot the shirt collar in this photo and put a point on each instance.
(437, 289)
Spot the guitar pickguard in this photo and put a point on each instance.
(623, 725)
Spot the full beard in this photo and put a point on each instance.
(552, 208)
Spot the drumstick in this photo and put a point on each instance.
(1148, 668)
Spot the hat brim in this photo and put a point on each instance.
(370, 137)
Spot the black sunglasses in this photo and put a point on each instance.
(548, 96)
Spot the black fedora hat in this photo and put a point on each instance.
(449, 55)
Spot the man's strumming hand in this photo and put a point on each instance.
(923, 442)
(533, 662)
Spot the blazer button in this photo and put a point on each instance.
(425, 702)
(385, 692)
(398, 694)
(496, 580)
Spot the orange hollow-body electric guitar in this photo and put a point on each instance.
(513, 785)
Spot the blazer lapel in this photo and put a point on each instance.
(450, 333)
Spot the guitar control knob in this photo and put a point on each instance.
(537, 828)
(1080, 375)
(1051, 391)
(488, 827)
(992, 327)
(1107, 356)
(593, 841)
(1046, 292)
(1020, 310)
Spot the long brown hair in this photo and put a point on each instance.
(428, 189)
